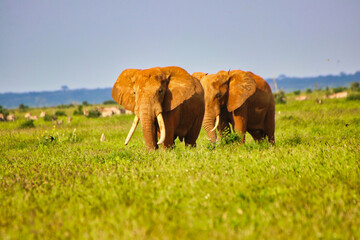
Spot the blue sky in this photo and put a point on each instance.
(86, 44)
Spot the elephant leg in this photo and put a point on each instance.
(193, 133)
(269, 124)
(257, 134)
(240, 120)
(171, 120)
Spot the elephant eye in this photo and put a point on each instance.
(160, 91)
(134, 92)
(218, 95)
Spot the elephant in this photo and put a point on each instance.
(199, 75)
(241, 99)
(168, 101)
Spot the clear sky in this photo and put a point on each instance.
(87, 44)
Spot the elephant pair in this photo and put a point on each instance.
(172, 103)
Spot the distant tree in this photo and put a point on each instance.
(339, 89)
(109, 102)
(94, 113)
(327, 91)
(355, 86)
(23, 108)
(280, 97)
(79, 111)
(64, 88)
(308, 90)
(47, 118)
(85, 103)
(27, 124)
(296, 92)
(60, 113)
(353, 97)
(65, 105)
(4, 111)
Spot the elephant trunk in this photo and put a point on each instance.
(148, 127)
(209, 125)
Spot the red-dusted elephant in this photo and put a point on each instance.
(241, 99)
(168, 101)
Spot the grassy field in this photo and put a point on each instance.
(307, 186)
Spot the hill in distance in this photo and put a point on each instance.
(96, 96)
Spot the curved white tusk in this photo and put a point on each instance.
(132, 129)
(216, 123)
(162, 128)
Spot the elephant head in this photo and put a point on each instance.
(148, 93)
(199, 75)
(225, 89)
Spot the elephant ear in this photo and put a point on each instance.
(122, 91)
(241, 87)
(181, 87)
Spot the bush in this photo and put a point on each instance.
(47, 118)
(60, 113)
(280, 97)
(94, 113)
(108, 102)
(230, 136)
(27, 124)
(355, 86)
(308, 90)
(353, 97)
(65, 106)
(338, 89)
(296, 92)
(23, 108)
(79, 111)
(85, 103)
(4, 111)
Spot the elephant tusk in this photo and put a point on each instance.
(216, 123)
(132, 129)
(162, 128)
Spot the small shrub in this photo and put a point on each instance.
(280, 97)
(47, 118)
(60, 113)
(108, 102)
(85, 103)
(27, 124)
(230, 136)
(79, 111)
(23, 108)
(296, 92)
(338, 89)
(355, 86)
(4, 111)
(353, 97)
(94, 113)
(65, 106)
(308, 90)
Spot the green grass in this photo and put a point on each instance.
(307, 186)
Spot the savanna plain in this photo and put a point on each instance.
(62, 182)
